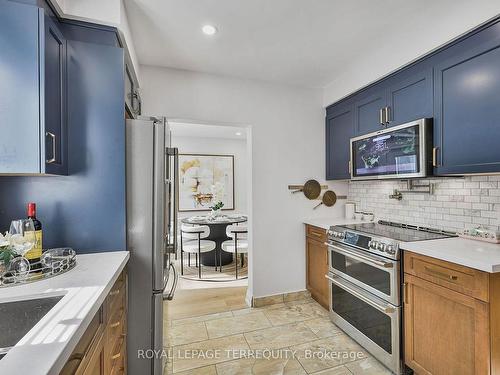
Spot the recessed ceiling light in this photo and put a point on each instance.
(238, 133)
(209, 30)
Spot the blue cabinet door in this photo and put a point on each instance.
(410, 96)
(339, 130)
(467, 110)
(20, 149)
(367, 109)
(55, 135)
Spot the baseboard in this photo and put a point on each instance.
(280, 298)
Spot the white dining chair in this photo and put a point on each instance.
(238, 244)
(193, 242)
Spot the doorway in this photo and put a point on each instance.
(214, 166)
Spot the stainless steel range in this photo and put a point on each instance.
(365, 283)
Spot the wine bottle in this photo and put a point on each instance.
(35, 253)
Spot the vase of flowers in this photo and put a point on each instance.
(216, 209)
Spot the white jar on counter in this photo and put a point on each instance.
(350, 209)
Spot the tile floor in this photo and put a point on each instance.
(218, 335)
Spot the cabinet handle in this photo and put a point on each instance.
(440, 274)
(434, 157)
(116, 356)
(114, 292)
(381, 116)
(327, 256)
(53, 137)
(114, 325)
(350, 168)
(388, 114)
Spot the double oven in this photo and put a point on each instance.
(364, 280)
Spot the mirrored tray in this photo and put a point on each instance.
(53, 262)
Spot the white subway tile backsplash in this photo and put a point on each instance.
(457, 203)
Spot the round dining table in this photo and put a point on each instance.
(217, 227)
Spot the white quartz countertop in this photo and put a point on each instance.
(327, 222)
(479, 255)
(47, 346)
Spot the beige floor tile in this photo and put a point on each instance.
(209, 352)
(295, 313)
(207, 370)
(186, 333)
(279, 337)
(251, 310)
(283, 366)
(369, 366)
(237, 324)
(341, 370)
(328, 352)
(202, 318)
(323, 327)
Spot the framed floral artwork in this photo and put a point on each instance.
(205, 180)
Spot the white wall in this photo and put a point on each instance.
(287, 144)
(220, 146)
(384, 58)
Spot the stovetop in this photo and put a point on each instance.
(383, 238)
(399, 232)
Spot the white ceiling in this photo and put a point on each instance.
(299, 42)
(182, 129)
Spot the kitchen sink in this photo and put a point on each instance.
(18, 317)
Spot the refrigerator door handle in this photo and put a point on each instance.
(175, 202)
(170, 295)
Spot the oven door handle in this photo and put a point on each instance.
(384, 309)
(361, 257)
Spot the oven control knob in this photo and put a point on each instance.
(380, 246)
(341, 235)
(372, 244)
(390, 250)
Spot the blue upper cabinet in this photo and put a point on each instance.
(56, 149)
(32, 107)
(369, 109)
(339, 130)
(410, 96)
(404, 97)
(467, 106)
(20, 150)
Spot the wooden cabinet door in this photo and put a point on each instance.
(466, 92)
(339, 130)
(95, 364)
(317, 268)
(410, 96)
(55, 100)
(446, 333)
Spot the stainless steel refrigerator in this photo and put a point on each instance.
(151, 228)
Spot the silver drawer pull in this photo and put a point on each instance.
(385, 309)
(361, 257)
(54, 157)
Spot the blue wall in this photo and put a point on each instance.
(86, 209)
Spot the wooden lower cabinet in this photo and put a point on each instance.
(102, 348)
(317, 265)
(447, 330)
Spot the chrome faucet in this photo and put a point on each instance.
(396, 195)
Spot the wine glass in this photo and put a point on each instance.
(23, 235)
